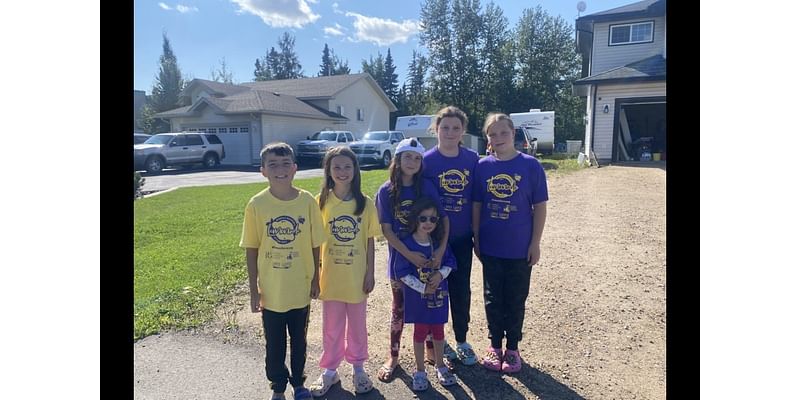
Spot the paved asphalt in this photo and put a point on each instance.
(170, 179)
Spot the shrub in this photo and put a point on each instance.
(138, 182)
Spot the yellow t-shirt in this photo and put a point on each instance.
(284, 232)
(344, 252)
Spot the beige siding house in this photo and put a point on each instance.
(624, 80)
(250, 115)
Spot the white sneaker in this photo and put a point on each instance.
(361, 382)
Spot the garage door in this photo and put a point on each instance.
(237, 143)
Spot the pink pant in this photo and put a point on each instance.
(340, 320)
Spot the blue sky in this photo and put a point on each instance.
(202, 32)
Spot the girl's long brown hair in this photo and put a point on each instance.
(396, 182)
(327, 183)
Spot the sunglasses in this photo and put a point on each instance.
(424, 218)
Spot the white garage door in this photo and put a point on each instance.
(237, 143)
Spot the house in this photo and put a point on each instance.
(624, 52)
(139, 99)
(249, 115)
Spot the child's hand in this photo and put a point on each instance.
(369, 283)
(314, 288)
(434, 280)
(430, 288)
(533, 254)
(255, 302)
(434, 262)
(418, 259)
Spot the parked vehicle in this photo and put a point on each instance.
(540, 125)
(377, 147)
(524, 141)
(314, 148)
(171, 149)
(140, 137)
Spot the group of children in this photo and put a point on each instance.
(437, 207)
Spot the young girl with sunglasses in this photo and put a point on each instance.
(425, 291)
(394, 200)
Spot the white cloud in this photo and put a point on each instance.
(164, 6)
(336, 8)
(313, 1)
(184, 9)
(382, 32)
(334, 31)
(279, 14)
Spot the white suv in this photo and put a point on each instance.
(377, 147)
(167, 149)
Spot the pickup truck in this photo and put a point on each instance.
(377, 147)
(314, 148)
(170, 149)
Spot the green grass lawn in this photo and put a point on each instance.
(186, 248)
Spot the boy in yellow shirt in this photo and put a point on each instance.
(281, 234)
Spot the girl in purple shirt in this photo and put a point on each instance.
(394, 200)
(426, 291)
(509, 211)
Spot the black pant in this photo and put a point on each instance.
(458, 284)
(506, 283)
(275, 327)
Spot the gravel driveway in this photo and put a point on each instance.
(594, 328)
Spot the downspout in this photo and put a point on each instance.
(594, 113)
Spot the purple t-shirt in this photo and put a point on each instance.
(386, 213)
(424, 308)
(453, 177)
(507, 191)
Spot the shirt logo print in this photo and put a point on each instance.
(503, 185)
(454, 181)
(344, 228)
(284, 229)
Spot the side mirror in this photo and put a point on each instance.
(394, 141)
(172, 144)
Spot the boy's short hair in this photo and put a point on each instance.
(279, 149)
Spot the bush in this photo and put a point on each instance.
(138, 182)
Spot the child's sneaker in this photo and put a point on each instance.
(323, 384)
(301, 393)
(493, 359)
(449, 353)
(361, 382)
(419, 381)
(512, 362)
(446, 378)
(465, 354)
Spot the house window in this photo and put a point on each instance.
(641, 32)
(233, 130)
(222, 130)
(192, 130)
(360, 114)
(211, 130)
(340, 110)
(244, 130)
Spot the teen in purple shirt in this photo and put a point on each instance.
(451, 167)
(509, 212)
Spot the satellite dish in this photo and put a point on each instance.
(581, 6)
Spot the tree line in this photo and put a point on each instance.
(474, 59)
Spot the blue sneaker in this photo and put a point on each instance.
(301, 393)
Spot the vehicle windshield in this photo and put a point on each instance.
(159, 139)
(520, 136)
(324, 136)
(376, 136)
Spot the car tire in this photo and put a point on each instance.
(210, 160)
(154, 164)
(387, 159)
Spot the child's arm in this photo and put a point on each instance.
(476, 223)
(436, 278)
(369, 277)
(416, 258)
(539, 216)
(252, 274)
(414, 283)
(315, 280)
